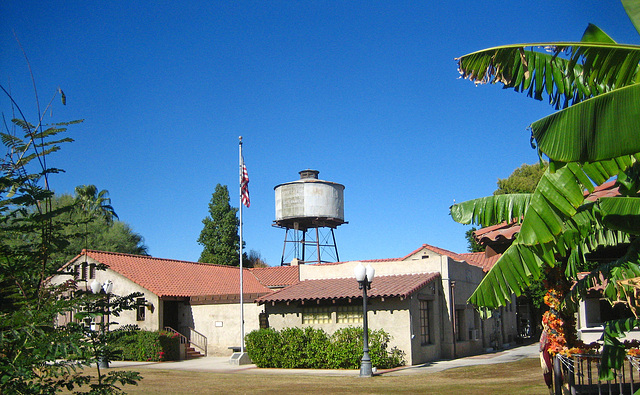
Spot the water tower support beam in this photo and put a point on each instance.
(335, 245)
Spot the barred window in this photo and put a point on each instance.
(84, 271)
(349, 315)
(425, 333)
(140, 311)
(316, 315)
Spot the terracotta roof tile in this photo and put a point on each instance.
(438, 250)
(506, 231)
(345, 288)
(168, 277)
(277, 276)
(481, 260)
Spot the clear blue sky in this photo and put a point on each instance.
(366, 92)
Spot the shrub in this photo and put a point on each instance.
(139, 345)
(313, 348)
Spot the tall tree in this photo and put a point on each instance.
(592, 138)
(220, 233)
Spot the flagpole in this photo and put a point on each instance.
(241, 249)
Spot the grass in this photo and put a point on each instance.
(521, 377)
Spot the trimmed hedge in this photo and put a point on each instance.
(313, 349)
(139, 345)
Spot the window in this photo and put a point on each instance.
(316, 315)
(84, 271)
(425, 333)
(92, 271)
(459, 324)
(349, 315)
(141, 309)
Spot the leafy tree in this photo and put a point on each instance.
(220, 233)
(524, 179)
(592, 138)
(472, 244)
(92, 226)
(36, 356)
(254, 259)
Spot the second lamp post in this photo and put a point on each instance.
(364, 276)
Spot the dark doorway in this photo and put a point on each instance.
(170, 316)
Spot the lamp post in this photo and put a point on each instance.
(106, 288)
(364, 276)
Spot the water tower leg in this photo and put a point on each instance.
(335, 245)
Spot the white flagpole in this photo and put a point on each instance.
(241, 248)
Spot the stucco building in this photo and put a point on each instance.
(419, 299)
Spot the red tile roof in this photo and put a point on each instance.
(507, 231)
(168, 277)
(346, 288)
(438, 250)
(277, 276)
(481, 260)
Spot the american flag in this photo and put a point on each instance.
(244, 185)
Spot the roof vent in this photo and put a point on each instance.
(309, 174)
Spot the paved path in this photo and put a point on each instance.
(222, 365)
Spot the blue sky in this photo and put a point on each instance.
(365, 92)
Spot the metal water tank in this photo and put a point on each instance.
(309, 202)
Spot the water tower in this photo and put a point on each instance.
(309, 210)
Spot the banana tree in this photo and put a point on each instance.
(595, 85)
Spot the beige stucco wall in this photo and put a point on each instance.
(220, 323)
(122, 286)
(387, 315)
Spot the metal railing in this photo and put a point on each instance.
(183, 338)
(195, 338)
(579, 374)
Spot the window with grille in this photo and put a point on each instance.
(349, 315)
(316, 315)
(141, 309)
(425, 333)
(84, 271)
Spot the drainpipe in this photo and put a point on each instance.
(453, 315)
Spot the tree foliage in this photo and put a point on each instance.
(593, 137)
(219, 237)
(96, 229)
(524, 179)
(36, 356)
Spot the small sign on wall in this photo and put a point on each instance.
(218, 324)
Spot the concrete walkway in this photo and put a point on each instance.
(222, 365)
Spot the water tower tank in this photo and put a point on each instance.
(309, 202)
(306, 207)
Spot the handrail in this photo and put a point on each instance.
(195, 338)
(183, 338)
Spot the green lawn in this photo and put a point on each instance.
(522, 377)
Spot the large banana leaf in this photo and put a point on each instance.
(491, 210)
(621, 213)
(600, 128)
(586, 70)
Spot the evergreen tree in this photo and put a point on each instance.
(220, 233)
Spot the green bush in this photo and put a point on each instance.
(139, 345)
(313, 348)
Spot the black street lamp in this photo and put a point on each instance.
(364, 276)
(106, 288)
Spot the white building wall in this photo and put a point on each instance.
(220, 323)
